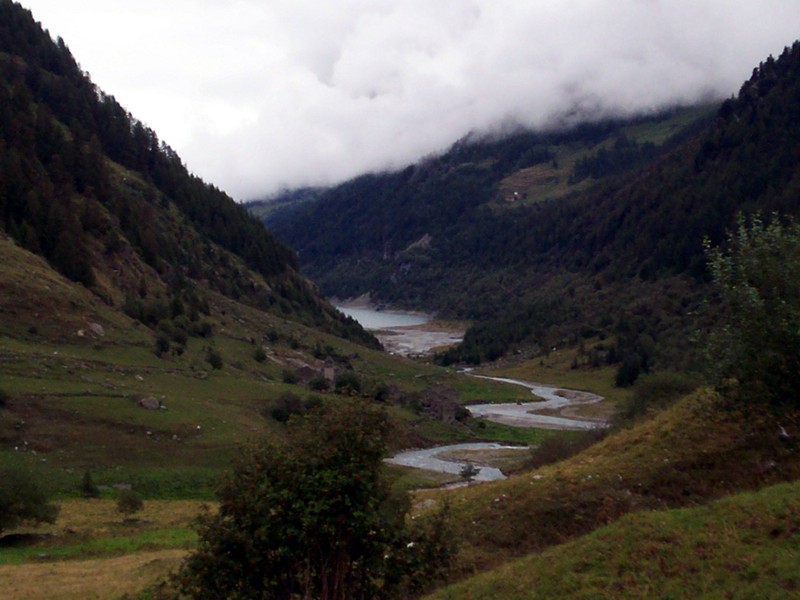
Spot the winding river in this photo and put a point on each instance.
(406, 333)
(528, 414)
(427, 459)
(518, 415)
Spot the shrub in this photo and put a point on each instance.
(629, 371)
(4, 398)
(381, 392)
(318, 383)
(23, 500)
(462, 414)
(756, 341)
(312, 403)
(87, 488)
(162, 344)
(286, 405)
(313, 517)
(129, 502)
(203, 329)
(165, 326)
(654, 392)
(347, 382)
(290, 376)
(561, 446)
(259, 355)
(180, 332)
(214, 358)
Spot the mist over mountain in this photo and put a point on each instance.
(294, 94)
(537, 236)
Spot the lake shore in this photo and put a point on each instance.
(421, 340)
(403, 332)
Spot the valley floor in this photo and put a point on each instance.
(93, 551)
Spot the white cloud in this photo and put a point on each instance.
(259, 94)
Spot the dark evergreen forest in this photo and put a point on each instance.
(85, 184)
(623, 257)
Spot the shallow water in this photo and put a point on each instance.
(525, 414)
(383, 319)
(427, 459)
(519, 415)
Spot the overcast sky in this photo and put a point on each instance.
(256, 95)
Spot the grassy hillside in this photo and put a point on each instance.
(75, 369)
(577, 165)
(700, 449)
(742, 546)
(397, 234)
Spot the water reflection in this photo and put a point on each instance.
(384, 319)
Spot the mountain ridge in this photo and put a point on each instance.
(506, 265)
(109, 205)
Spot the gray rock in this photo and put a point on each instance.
(149, 403)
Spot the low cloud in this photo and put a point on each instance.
(257, 96)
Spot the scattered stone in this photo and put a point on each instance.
(97, 329)
(149, 403)
(329, 371)
(425, 504)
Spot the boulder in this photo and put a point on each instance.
(149, 402)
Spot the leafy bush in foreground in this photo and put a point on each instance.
(756, 344)
(314, 518)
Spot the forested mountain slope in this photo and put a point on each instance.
(624, 255)
(94, 191)
(390, 232)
